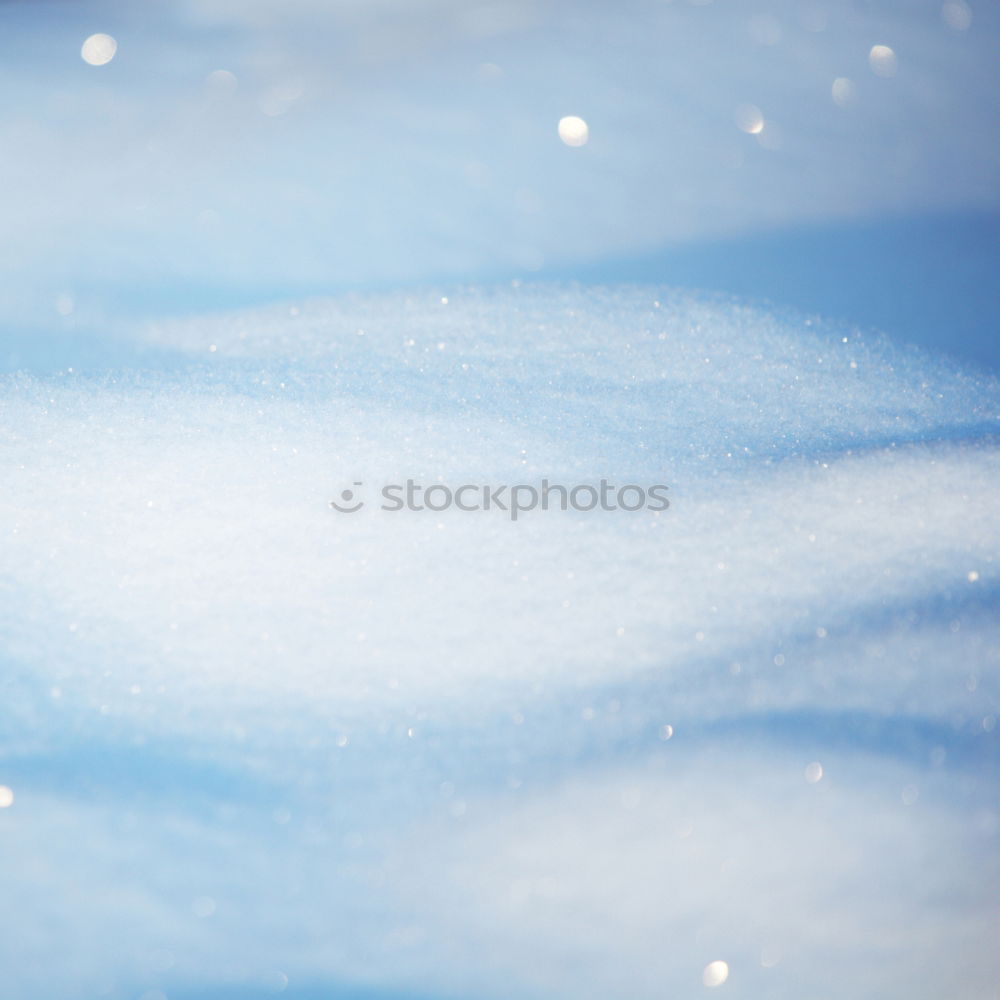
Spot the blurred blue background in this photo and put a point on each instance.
(237, 153)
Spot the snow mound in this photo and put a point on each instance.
(264, 744)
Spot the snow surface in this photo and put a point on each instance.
(251, 746)
(425, 752)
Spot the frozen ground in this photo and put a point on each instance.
(251, 746)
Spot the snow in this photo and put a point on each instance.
(250, 745)
(221, 689)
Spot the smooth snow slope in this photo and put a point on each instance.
(258, 746)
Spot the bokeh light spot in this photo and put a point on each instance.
(715, 974)
(843, 92)
(883, 60)
(99, 49)
(750, 119)
(573, 131)
(957, 14)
